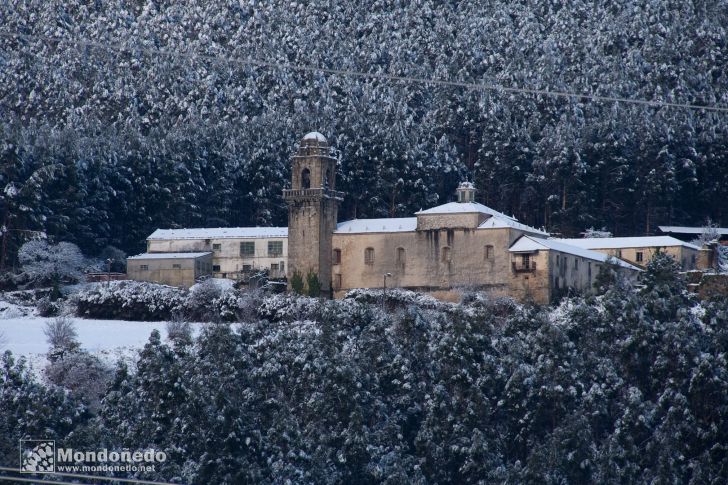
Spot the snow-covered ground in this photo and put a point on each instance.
(110, 340)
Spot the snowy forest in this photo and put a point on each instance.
(117, 118)
(627, 386)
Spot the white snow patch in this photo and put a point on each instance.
(109, 340)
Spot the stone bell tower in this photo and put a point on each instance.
(313, 205)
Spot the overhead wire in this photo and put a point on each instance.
(289, 66)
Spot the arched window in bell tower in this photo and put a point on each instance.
(327, 178)
(306, 179)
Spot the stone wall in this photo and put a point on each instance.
(434, 260)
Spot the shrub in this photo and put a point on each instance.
(314, 285)
(47, 308)
(129, 300)
(297, 283)
(200, 304)
(83, 374)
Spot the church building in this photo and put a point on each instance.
(444, 250)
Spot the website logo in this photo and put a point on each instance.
(37, 456)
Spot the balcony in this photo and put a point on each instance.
(523, 267)
(312, 194)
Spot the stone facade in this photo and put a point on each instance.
(424, 260)
(313, 205)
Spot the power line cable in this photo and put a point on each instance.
(370, 75)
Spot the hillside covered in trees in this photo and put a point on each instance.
(120, 117)
(626, 387)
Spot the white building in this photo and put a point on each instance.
(236, 251)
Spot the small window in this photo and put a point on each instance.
(489, 252)
(282, 266)
(176, 266)
(337, 256)
(694, 259)
(247, 249)
(337, 281)
(144, 267)
(216, 247)
(558, 260)
(306, 179)
(247, 268)
(401, 256)
(576, 264)
(275, 249)
(589, 269)
(216, 268)
(639, 256)
(446, 255)
(525, 260)
(369, 256)
(619, 253)
(274, 266)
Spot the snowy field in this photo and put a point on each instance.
(110, 340)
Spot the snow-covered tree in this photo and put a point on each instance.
(46, 263)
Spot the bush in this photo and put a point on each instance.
(288, 307)
(238, 306)
(85, 375)
(314, 285)
(297, 283)
(47, 308)
(396, 298)
(179, 332)
(200, 304)
(130, 300)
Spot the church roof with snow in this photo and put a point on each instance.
(626, 242)
(394, 224)
(527, 244)
(219, 233)
(496, 219)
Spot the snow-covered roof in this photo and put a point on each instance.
(693, 230)
(315, 135)
(219, 233)
(527, 244)
(497, 219)
(395, 224)
(626, 242)
(458, 208)
(168, 255)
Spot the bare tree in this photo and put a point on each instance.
(61, 333)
